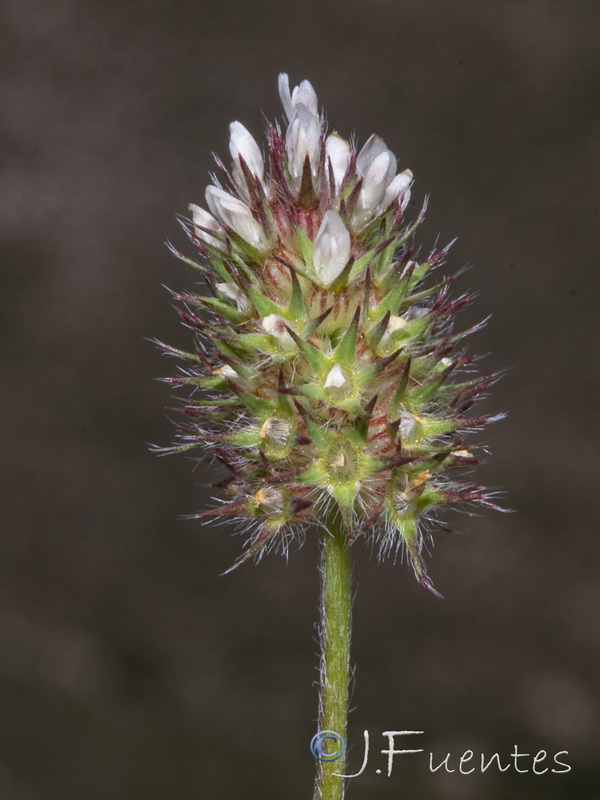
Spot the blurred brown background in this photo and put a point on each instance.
(128, 668)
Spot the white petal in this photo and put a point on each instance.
(407, 425)
(376, 164)
(399, 185)
(304, 94)
(285, 96)
(242, 143)
(230, 290)
(336, 379)
(375, 183)
(275, 325)
(234, 292)
(338, 152)
(394, 324)
(372, 148)
(303, 139)
(331, 248)
(202, 219)
(233, 212)
(226, 372)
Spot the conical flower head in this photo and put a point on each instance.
(326, 374)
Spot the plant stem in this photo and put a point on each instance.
(335, 658)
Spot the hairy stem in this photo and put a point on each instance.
(335, 649)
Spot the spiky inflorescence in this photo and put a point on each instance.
(324, 369)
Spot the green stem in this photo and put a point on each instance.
(335, 659)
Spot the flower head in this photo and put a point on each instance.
(328, 376)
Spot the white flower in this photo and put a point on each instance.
(304, 94)
(234, 293)
(373, 147)
(337, 150)
(202, 219)
(336, 378)
(242, 143)
(394, 324)
(275, 325)
(235, 214)
(303, 139)
(408, 425)
(226, 372)
(331, 248)
(376, 180)
(399, 188)
(376, 165)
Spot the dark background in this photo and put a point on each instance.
(128, 667)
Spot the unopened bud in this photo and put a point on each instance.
(337, 380)
(234, 292)
(394, 324)
(242, 143)
(276, 326)
(398, 187)
(226, 372)
(416, 485)
(376, 165)
(331, 248)
(304, 94)
(337, 151)
(375, 182)
(202, 219)
(303, 139)
(235, 214)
